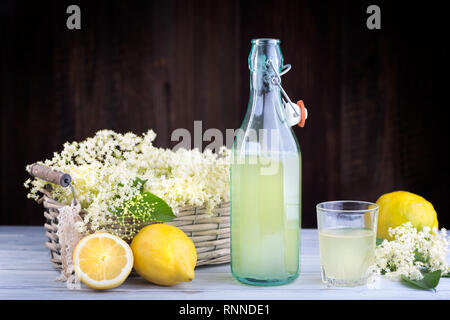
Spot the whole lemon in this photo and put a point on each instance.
(164, 255)
(399, 207)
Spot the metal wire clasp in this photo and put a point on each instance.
(73, 193)
(276, 80)
(67, 181)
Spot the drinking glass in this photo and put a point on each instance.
(347, 239)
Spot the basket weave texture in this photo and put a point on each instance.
(210, 232)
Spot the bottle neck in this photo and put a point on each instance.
(265, 97)
(261, 82)
(265, 129)
(262, 51)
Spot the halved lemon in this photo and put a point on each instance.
(102, 260)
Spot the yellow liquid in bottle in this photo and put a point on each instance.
(265, 220)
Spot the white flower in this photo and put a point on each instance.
(104, 167)
(410, 252)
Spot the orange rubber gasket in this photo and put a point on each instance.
(301, 123)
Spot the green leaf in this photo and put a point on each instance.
(119, 213)
(139, 184)
(145, 206)
(420, 257)
(148, 207)
(379, 241)
(430, 280)
(447, 275)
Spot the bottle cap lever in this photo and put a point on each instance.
(297, 113)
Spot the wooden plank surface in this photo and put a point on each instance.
(26, 273)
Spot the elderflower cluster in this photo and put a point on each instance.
(410, 252)
(104, 168)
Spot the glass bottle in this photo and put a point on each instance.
(265, 180)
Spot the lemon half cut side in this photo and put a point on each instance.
(102, 260)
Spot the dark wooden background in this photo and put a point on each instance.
(376, 118)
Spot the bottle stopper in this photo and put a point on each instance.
(295, 113)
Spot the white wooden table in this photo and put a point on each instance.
(26, 273)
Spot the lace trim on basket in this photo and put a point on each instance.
(68, 238)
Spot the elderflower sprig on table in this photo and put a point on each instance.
(412, 254)
(104, 169)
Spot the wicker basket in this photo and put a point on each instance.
(210, 232)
